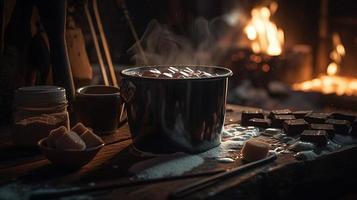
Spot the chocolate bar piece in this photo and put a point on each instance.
(277, 120)
(341, 126)
(318, 137)
(295, 126)
(301, 114)
(330, 130)
(318, 118)
(279, 112)
(262, 123)
(250, 114)
(343, 116)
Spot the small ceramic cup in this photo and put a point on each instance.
(98, 107)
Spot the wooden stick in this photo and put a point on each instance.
(122, 5)
(104, 44)
(96, 44)
(114, 184)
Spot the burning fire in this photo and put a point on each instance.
(263, 33)
(329, 84)
(332, 83)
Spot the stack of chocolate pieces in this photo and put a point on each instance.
(342, 122)
(324, 126)
(295, 126)
(259, 122)
(279, 116)
(340, 126)
(280, 112)
(328, 128)
(310, 126)
(298, 125)
(255, 118)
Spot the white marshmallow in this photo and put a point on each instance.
(70, 141)
(79, 128)
(254, 150)
(54, 135)
(91, 139)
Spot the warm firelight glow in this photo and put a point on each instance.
(331, 83)
(266, 37)
(332, 69)
(340, 49)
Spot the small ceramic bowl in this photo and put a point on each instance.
(70, 159)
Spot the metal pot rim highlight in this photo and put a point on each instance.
(225, 72)
(111, 90)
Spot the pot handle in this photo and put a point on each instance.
(127, 90)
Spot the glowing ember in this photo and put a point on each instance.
(331, 83)
(264, 34)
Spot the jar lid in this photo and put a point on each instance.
(40, 96)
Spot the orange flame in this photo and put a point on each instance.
(336, 55)
(332, 83)
(266, 37)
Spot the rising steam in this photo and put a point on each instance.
(162, 46)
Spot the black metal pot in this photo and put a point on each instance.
(172, 115)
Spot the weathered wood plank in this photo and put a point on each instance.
(11, 155)
(276, 180)
(42, 170)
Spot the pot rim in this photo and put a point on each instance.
(80, 90)
(124, 72)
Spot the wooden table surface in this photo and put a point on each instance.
(27, 171)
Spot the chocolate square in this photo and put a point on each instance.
(262, 123)
(318, 118)
(330, 130)
(250, 114)
(279, 112)
(318, 137)
(301, 114)
(343, 116)
(341, 126)
(277, 120)
(295, 126)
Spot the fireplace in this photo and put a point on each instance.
(311, 61)
(280, 49)
(277, 49)
(234, 99)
